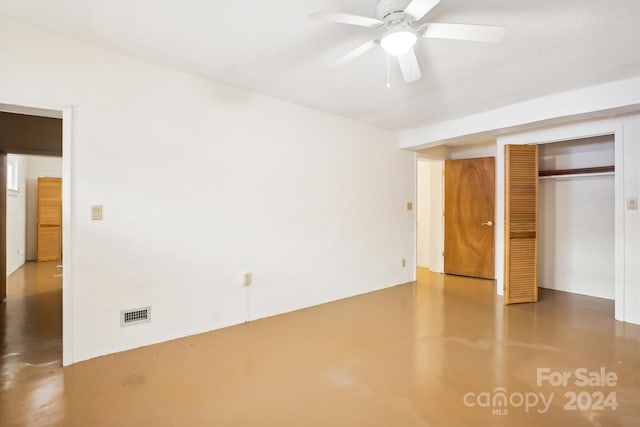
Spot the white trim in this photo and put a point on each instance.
(585, 130)
(416, 159)
(619, 255)
(67, 248)
(9, 106)
(440, 250)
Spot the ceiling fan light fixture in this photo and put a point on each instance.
(399, 41)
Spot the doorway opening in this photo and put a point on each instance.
(34, 142)
(430, 222)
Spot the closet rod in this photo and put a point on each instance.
(578, 171)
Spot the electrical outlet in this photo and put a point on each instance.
(409, 206)
(248, 278)
(632, 204)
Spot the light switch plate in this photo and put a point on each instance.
(632, 204)
(96, 212)
(248, 279)
(409, 206)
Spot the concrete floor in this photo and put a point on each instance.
(440, 352)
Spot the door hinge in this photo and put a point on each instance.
(504, 288)
(442, 213)
(442, 253)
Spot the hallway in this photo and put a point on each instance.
(419, 354)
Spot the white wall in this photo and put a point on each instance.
(423, 176)
(576, 219)
(201, 182)
(37, 167)
(472, 151)
(16, 214)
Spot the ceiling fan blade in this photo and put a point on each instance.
(345, 18)
(359, 51)
(419, 8)
(409, 66)
(469, 32)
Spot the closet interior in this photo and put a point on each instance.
(576, 216)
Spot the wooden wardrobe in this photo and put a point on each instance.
(49, 246)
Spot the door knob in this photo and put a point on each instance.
(488, 223)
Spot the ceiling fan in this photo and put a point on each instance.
(400, 18)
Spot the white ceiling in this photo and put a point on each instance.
(269, 46)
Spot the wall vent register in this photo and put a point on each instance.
(135, 316)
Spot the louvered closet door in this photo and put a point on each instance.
(521, 224)
(49, 245)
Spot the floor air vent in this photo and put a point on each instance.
(135, 316)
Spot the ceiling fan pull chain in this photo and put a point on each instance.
(388, 66)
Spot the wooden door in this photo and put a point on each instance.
(49, 245)
(521, 224)
(469, 207)
(3, 226)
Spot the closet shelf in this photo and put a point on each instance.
(578, 171)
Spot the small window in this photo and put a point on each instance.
(12, 174)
